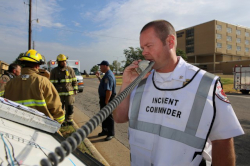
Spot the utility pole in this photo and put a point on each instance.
(30, 31)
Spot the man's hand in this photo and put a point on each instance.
(97, 74)
(130, 74)
(75, 92)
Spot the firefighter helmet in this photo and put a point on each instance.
(61, 57)
(32, 56)
(42, 58)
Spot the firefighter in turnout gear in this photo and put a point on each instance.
(13, 71)
(64, 79)
(33, 90)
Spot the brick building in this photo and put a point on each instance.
(216, 46)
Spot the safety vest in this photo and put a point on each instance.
(170, 126)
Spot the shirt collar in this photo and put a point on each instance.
(177, 74)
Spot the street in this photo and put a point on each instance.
(241, 104)
(88, 102)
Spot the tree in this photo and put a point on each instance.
(94, 69)
(111, 67)
(132, 54)
(181, 53)
(116, 65)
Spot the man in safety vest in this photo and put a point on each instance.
(13, 71)
(64, 79)
(179, 114)
(34, 90)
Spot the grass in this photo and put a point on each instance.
(227, 82)
(67, 131)
(118, 78)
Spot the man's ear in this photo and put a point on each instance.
(171, 41)
(37, 66)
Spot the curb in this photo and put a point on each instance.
(92, 149)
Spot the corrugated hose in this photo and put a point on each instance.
(71, 143)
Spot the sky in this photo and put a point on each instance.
(96, 30)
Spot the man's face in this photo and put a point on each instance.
(154, 50)
(103, 68)
(17, 71)
(62, 64)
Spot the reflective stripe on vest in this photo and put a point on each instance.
(62, 80)
(76, 87)
(188, 136)
(66, 93)
(60, 119)
(32, 102)
(1, 93)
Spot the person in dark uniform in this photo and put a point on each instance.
(106, 92)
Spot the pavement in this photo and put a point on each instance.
(110, 153)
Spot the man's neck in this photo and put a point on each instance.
(170, 65)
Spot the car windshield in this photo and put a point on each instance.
(77, 72)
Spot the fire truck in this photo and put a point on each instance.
(242, 78)
(75, 65)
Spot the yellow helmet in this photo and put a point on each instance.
(43, 61)
(32, 56)
(61, 57)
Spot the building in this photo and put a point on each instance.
(3, 67)
(216, 46)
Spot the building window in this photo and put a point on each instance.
(238, 32)
(238, 40)
(180, 34)
(247, 34)
(229, 30)
(190, 41)
(246, 42)
(218, 36)
(229, 38)
(219, 45)
(218, 27)
(247, 49)
(229, 47)
(238, 48)
(190, 49)
(190, 32)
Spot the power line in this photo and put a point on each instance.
(69, 30)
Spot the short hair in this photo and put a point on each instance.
(162, 29)
(13, 66)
